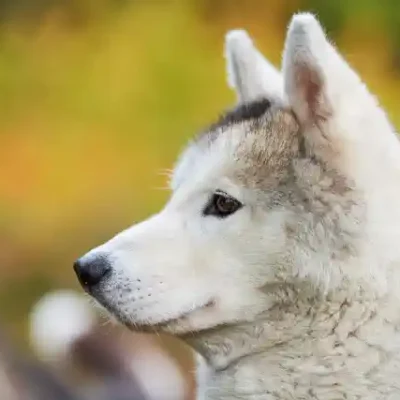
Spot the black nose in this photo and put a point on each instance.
(91, 270)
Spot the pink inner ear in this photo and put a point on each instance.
(310, 84)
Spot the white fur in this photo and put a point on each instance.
(249, 72)
(352, 118)
(203, 375)
(294, 301)
(56, 321)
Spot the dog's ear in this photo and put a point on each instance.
(319, 84)
(249, 73)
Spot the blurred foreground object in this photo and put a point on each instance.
(25, 379)
(104, 361)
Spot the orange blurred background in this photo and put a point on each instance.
(97, 98)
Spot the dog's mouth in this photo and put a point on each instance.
(210, 304)
(161, 325)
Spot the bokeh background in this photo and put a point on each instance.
(97, 97)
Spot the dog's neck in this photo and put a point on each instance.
(239, 356)
(231, 349)
(223, 346)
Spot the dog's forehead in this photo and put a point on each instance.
(251, 145)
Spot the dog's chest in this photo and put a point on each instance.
(289, 376)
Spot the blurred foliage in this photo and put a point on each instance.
(98, 96)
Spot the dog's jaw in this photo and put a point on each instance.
(178, 326)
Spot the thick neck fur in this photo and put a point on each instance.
(331, 348)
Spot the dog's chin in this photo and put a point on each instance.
(186, 322)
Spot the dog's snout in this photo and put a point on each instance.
(92, 270)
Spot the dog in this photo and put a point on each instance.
(277, 257)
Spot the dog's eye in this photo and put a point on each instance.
(221, 205)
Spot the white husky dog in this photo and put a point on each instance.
(277, 257)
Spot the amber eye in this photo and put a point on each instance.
(221, 205)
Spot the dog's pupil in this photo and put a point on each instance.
(225, 204)
(221, 205)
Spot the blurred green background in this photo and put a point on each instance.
(97, 97)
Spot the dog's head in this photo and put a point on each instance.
(271, 198)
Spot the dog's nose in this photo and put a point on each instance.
(91, 270)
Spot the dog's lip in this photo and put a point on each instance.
(209, 304)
